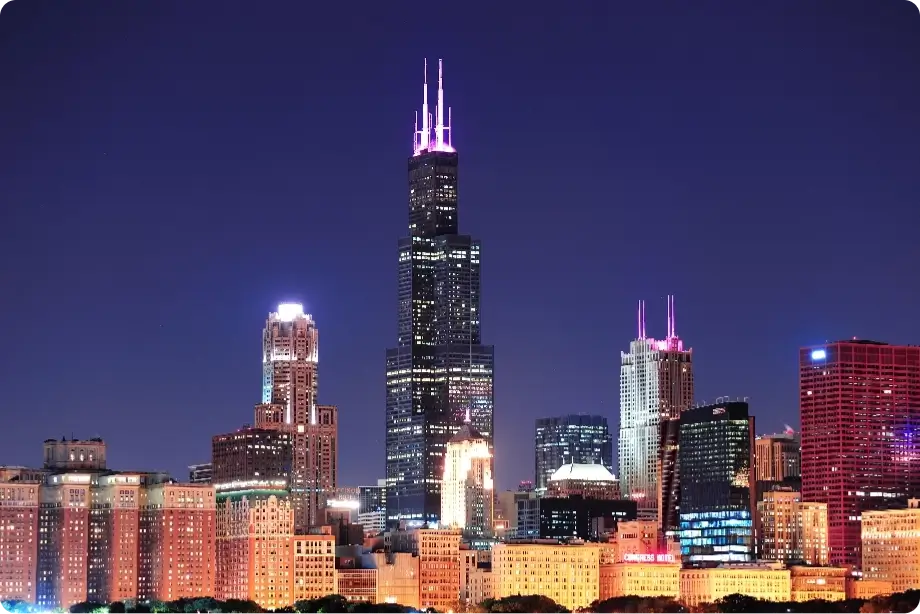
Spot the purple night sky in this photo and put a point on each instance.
(170, 171)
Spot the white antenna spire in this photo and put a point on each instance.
(439, 110)
(426, 116)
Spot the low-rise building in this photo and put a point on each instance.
(827, 583)
(888, 538)
(762, 581)
(566, 573)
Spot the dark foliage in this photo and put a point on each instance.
(638, 604)
(536, 604)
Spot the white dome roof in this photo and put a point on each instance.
(586, 472)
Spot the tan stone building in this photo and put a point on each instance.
(761, 581)
(568, 574)
(397, 578)
(891, 546)
(808, 583)
(313, 566)
(790, 529)
(643, 580)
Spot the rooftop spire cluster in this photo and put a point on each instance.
(423, 140)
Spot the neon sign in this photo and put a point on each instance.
(635, 557)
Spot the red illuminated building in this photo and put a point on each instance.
(860, 411)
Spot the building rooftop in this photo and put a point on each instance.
(466, 433)
(582, 471)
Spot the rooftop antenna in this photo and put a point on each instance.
(439, 110)
(425, 142)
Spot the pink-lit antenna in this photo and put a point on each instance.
(439, 110)
(669, 318)
(450, 133)
(673, 318)
(426, 116)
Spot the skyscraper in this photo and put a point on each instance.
(656, 384)
(860, 410)
(717, 495)
(290, 355)
(563, 440)
(467, 495)
(439, 371)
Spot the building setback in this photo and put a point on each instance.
(563, 440)
(860, 406)
(439, 372)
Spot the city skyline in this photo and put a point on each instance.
(101, 270)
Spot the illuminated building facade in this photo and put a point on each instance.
(177, 557)
(762, 581)
(571, 517)
(74, 454)
(115, 516)
(440, 371)
(810, 583)
(290, 356)
(643, 579)
(860, 403)
(200, 473)
(251, 458)
(438, 552)
(572, 439)
(635, 538)
(373, 498)
(778, 457)
(790, 530)
(890, 543)
(586, 481)
(63, 540)
(656, 384)
(717, 493)
(357, 584)
(19, 503)
(467, 495)
(397, 578)
(254, 539)
(313, 566)
(567, 574)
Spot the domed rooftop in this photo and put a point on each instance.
(582, 471)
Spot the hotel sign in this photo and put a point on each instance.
(631, 557)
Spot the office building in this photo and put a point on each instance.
(656, 383)
(567, 574)
(637, 578)
(200, 473)
(439, 371)
(717, 491)
(572, 439)
(467, 492)
(777, 462)
(438, 552)
(790, 530)
(251, 459)
(19, 501)
(860, 402)
(586, 481)
(890, 543)
(373, 498)
(313, 568)
(669, 481)
(290, 357)
(571, 517)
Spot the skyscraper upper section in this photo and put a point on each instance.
(656, 384)
(439, 372)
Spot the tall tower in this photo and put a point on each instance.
(290, 355)
(467, 495)
(656, 384)
(439, 370)
(860, 410)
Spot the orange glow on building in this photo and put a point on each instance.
(18, 543)
(63, 540)
(313, 566)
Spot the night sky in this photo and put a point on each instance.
(171, 170)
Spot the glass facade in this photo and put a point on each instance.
(579, 439)
(716, 484)
(439, 371)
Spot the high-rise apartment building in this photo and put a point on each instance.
(717, 493)
(290, 356)
(18, 544)
(656, 384)
(115, 523)
(467, 494)
(439, 372)
(778, 462)
(563, 440)
(860, 406)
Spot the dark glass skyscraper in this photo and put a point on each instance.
(715, 456)
(440, 373)
(576, 438)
